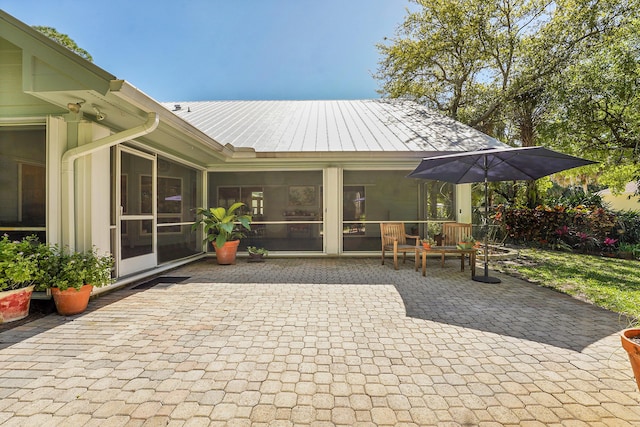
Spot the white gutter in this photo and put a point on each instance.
(70, 156)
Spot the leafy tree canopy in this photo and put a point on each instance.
(560, 73)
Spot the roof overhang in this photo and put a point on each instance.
(57, 76)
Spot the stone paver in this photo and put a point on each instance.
(309, 342)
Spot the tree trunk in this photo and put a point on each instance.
(525, 117)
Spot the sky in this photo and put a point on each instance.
(192, 50)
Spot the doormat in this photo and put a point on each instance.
(162, 279)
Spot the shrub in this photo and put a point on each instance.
(557, 227)
(627, 227)
(18, 263)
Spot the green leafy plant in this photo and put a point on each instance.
(629, 249)
(64, 269)
(428, 241)
(628, 226)
(257, 251)
(18, 263)
(222, 225)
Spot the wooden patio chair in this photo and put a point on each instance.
(394, 239)
(454, 232)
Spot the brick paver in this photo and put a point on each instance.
(312, 342)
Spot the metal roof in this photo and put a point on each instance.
(331, 126)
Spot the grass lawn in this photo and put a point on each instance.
(611, 283)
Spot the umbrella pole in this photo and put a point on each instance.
(486, 278)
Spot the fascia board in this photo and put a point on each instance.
(36, 45)
(130, 94)
(380, 162)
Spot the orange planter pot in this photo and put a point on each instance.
(71, 301)
(633, 350)
(14, 305)
(227, 253)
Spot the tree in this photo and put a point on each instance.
(597, 107)
(490, 64)
(64, 40)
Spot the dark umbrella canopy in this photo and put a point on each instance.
(508, 164)
(500, 164)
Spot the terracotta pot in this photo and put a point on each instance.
(227, 253)
(426, 245)
(14, 305)
(633, 349)
(71, 301)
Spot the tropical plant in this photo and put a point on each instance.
(222, 225)
(628, 226)
(609, 245)
(628, 250)
(18, 263)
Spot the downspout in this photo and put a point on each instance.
(68, 165)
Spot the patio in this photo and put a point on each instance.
(320, 342)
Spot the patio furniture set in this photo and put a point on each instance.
(395, 240)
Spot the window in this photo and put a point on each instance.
(353, 210)
(178, 189)
(286, 206)
(23, 177)
(257, 203)
(252, 197)
(439, 200)
(371, 197)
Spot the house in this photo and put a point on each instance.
(86, 159)
(628, 200)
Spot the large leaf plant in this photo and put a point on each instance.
(222, 225)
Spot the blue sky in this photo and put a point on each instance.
(229, 49)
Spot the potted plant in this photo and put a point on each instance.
(18, 268)
(224, 228)
(71, 276)
(466, 243)
(427, 243)
(630, 338)
(257, 254)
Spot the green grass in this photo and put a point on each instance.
(610, 283)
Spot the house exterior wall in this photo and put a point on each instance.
(622, 202)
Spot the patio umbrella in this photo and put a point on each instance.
(499, 164)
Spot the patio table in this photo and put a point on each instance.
(443, 250)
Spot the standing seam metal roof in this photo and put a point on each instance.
(376, 125)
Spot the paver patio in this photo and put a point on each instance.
(321, 342)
